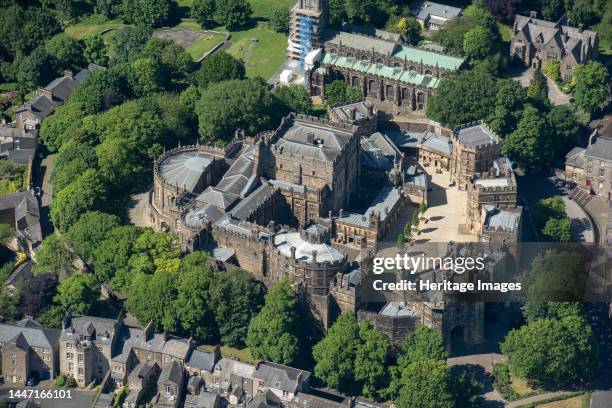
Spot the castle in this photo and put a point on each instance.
(282, 204)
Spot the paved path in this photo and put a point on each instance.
(535, 398)
(582, 229)
(601, 399)
(555, 95)
(42, 178)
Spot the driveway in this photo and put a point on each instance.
(555, 95)
(78, 398)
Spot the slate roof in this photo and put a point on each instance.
(222, 200)
(197, 216)
(35, 337)
(600, 148)
(328, 141)
(204, 399)
(223, 254)
(201, 359)
(568, 38)
(280, 377)
(171, 372)
(40, 106)
(424, 9)
(98, 328)
(437, 143)
(385, 199)
(252, 202)
(575, 157)
(228, 367)
(23, 271)
(497, 218)
(241, 178)
(62, 87)
(397, 309)
(304, 249)
(27, 214)
(173, 346)
(352, 111)
(475, 135)
(372, 32)
(184, 168)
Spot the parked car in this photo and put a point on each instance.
(32, 381)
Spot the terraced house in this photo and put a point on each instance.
(27, 349)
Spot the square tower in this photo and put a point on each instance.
(308, 19)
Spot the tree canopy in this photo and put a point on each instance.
(339, 92)
(78, 293)
(464, 97)
(219, 67)
(274, 333)
(552, 352)
(531, 143)
(591, 86)
(237, 104)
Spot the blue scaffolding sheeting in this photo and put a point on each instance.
(305, 37)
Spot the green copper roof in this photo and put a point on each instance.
(396, 74)
(429, 58)
(392, 48)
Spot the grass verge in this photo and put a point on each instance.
(262, 50)
(82, 30)
(243, 355)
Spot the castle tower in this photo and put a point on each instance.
(308, 19)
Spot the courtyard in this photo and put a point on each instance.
(445, 217)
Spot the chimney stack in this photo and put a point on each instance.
(68, 73)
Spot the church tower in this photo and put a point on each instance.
(308, 19)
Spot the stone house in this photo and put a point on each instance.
(27, 349)
(87, 345)
(433, 16)
(170, 385)
(534, 42)
(591, 167)
(285, 382)
(20, 210)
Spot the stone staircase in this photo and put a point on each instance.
(580, 196)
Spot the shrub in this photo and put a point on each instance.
(60, 381)
(71, 382)
(551, 69)
(502, 382)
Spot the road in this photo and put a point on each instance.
(79, 398)
(601, 399)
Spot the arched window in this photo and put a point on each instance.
(389, 92)
(379, 61)
(405, 94)
(372, 86)
(355, 81)
(428, 72)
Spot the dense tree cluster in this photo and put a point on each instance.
(555, 349)
(273, 334)
(550, 218)
(352, 357)
(230, 13)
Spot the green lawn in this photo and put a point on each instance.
(504, 30)
(83, 30)
(263, 56)
(204, 44)
(243, 355)
(264, 8)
